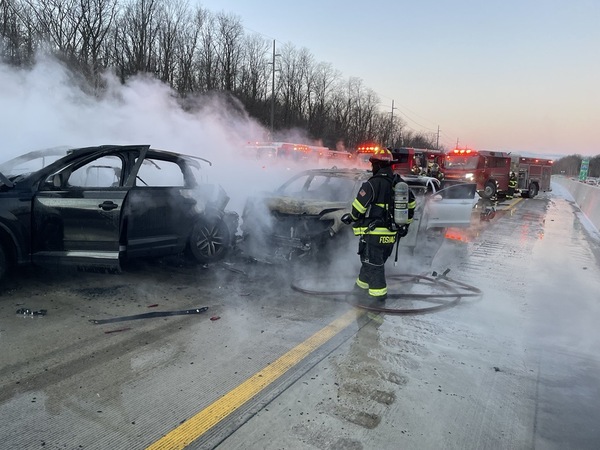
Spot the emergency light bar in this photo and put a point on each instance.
(464, 151)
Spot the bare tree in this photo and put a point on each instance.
(58, 23)
(321, 87)
(171, 19)
(18, 39)
(97, 19)
(253, 77)
(207, 63)
(136, 35)
(186, 81)
(228, 49)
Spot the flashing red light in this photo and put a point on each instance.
(368, 148)
(463, 151)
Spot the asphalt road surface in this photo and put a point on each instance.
(267, 366)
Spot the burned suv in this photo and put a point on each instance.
(302, 218)
(93, 207)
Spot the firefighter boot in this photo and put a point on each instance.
(359, 292)
(378, 298)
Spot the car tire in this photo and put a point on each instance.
(210, 240)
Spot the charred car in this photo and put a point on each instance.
(302, 218)
(94, 207)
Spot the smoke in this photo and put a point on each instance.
(47, 106)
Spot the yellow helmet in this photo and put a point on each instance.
(381, 154)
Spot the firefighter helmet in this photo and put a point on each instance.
(381, 155)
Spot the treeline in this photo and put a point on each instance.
(571, 165)
(195, 52)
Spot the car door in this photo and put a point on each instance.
(160, 208)
(451, 207)
(76, 214)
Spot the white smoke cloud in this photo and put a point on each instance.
(47, 106)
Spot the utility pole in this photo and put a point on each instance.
(392, 126)
(437, 142)
(456, 142)
(273, 92)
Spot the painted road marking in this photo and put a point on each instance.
(196, 426)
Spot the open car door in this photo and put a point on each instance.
(76, 215)
(451, 207)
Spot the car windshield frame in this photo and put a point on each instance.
(13, 168)
(321, 186)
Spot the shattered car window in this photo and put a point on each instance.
(156, 172)
(102, 172)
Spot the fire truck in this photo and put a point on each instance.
(417, 161)
(363, 153)
(491, 170)
(295, 152)
(533, 175)
(407, 160)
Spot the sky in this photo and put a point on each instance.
(511, 75)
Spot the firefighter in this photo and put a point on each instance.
(512, 185)
(435, 170)
(372, 219)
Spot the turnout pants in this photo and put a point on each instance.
(374, 250)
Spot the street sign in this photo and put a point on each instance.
(583, 171)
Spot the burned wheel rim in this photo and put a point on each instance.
(210, 241)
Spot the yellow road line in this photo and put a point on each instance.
(199, 424)
(514, 203)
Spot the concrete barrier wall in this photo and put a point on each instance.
(586, 196)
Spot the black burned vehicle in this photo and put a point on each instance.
(302, 218)
(93, 207)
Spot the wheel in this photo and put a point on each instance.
(210, 240)
(489, 190)
(533, 190)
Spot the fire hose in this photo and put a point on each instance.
(452, 291)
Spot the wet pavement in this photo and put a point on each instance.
(514, 368)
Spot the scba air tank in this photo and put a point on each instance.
(401, 203)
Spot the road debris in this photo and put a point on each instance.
(150, 315)
(118, 330)
(30, 312)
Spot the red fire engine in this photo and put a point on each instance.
(491, 171)
(364, 152)
(295, 152)
(533, 175)
(418, 161)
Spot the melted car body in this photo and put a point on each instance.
(302, 218)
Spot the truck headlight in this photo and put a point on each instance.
(469, 176)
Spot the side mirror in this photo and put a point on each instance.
(55, 181)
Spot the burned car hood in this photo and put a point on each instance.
(301, 207)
